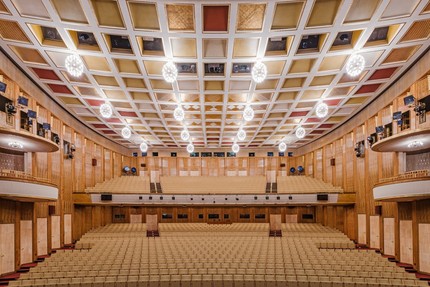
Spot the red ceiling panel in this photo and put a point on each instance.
(128, 114)
(100, 126)
(109, 132)
(383, 73)
(313, 120)
(368, 89)
(215, 18)
(46, 74)
(299, 114)
(61, 89)
(334, 102)
(113, 120)
(317, 132)
(94, 103)
(326, 126)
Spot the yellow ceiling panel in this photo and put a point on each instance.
(250, 17)
(184, 47)
(144, 15)
(180, 17)
(70, 11)
(96, 63)
(287, 15)
(108, 13)
(361, 10)
(245, 47)
(323, 13)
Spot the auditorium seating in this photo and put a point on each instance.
(305, 184)
(121, 255)
(123, 184)
(213, 184)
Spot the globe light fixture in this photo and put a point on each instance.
(415, 144)
(143, 147)
(16, 145)
(185, 135)
(282, 147)
(248, 114)
(355, 65)
(106, 111)
(300, 133)
(179, 114)
(259, 72)
(321, 110)
(74, 65)
(241, 134)
(170, 72)
(190, 148)
(126, 133)
(235, 148)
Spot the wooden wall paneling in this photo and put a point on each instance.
(329, 174)
(7, 211)
(349, 160)
(318, 159)
(55, 231)
(7, 248)
(424, 247)
(389, 236)
(26, 241)
(135, 218)
(107, 165)
(80, 177)
(362, 229)
(375, 231)
(88, 168)
(291, 218)
(67, 219)
(275, 222)
(406, 242)
(42, 236)
(151, 222)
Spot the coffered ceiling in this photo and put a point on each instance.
(124, 45)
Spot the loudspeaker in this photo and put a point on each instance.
(322, 196)
(143, 165)
(106, 197)
(282, 165)
(94, 162)
(51, 209)
(332, 162)
(378, 210)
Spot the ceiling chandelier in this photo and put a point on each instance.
(16, 145)
(355, 65)
(170, 72)
(248, 114)
(185, 135)
(282, 147)
(106, 111)
(415, 144)
(190, 148)
(321, 110)
(143, 147)
(126, 133)
(74, 65)
(179, 114)
(300, 133)
(259, 72)
(235, 148)
(241, 134)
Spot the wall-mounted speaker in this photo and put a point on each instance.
(282, 165)
(106, 197)
(94, 162)
(143, 165)
(332, 162)
(51, 209)
(378, 210)
(322, 196)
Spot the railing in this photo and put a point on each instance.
(408, 175)
(20, 175)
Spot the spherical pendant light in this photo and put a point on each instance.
(282, 147)
(241, 134)
(355, 65)
(259, 72)
(170, 72)
(235, 148)
(190, 148)
(185, 135)
(126, 133)
(321, 110)
(106, 111)
(248, 114)
(74, 65)
(300, 133)
(143, 147)
(179, 114)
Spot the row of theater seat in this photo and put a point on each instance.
(305, 184)
(123, 184)
(121, 255)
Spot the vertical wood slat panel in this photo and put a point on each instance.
(42, 236)
(375, 240)
(389, 238)
(424, 247)
(26, 241)
(55, 231)
(406, 243)
(7, 248)
(362, 231)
